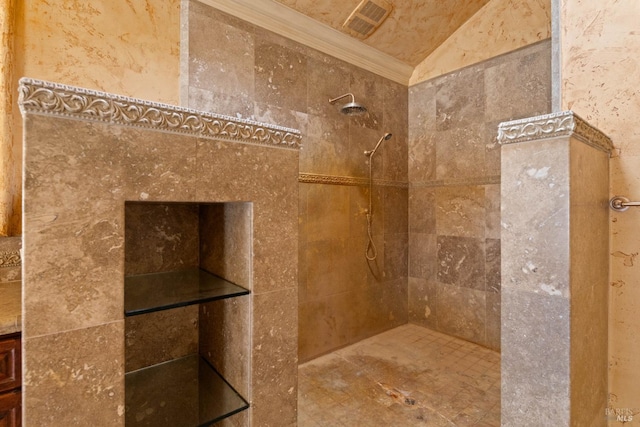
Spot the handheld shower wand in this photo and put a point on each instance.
(370, 252)
(384, 137)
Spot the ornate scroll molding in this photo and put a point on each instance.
(565, 123)
(40, 97)
(310, 178)
(10, 259)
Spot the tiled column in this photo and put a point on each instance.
(554, 192)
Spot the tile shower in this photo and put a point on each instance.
(436, 198)
(257, 74)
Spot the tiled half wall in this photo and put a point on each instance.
(86, 154)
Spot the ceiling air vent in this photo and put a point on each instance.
(367, 17)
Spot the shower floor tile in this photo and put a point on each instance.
(408, 376)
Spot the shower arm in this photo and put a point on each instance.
(353, 98)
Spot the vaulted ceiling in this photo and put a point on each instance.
(412, 31)
(408, 44)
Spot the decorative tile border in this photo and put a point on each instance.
(564, 123)
(10, 259)
(310, 178)
(453, 182)
(40, 97)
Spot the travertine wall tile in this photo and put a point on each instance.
(317, 337)
(460, 211)
(492, 211)
(280, 76)
(326, 80)
(396, 249)
(493, 325)
(225, 231)
(396, 210)
(75, 376)
(422, 302)
(328, 210)
(461, 261)
(535, 392)
(330, 272)
(327, 146)
(461, 311)
(460, 152)
(460, 99)
(275, 358)
(533, 96)
(84, 222)
(160, 170)
(160, 336)
(454, 174)
(492, 266)
(160, 237)
(423, 259)
(422, 156)
(368, 89)
(358, 206)
(231, 68)
(395, 152)
(538, 259)
(224, 338)
(422, 210)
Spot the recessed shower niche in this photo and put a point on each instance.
(187, 285)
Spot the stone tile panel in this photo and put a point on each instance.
(461, 261)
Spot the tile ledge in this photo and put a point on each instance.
(10, 307)
(564, 123)
(48, 98)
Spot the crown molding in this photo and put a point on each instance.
(289, 23)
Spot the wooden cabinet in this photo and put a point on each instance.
(10, 381)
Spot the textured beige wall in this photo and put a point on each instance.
(499, 27)
(127, 47)
(8, 178)
(600, 72)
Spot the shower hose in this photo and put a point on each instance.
(370, 252)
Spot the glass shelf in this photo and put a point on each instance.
(146, 293)
(185, 392)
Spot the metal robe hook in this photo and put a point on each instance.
(621, 203)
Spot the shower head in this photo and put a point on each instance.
(384, 137)
(351, 108)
